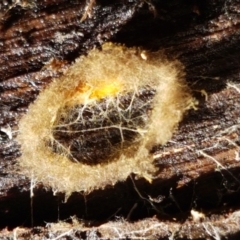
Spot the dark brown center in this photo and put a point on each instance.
(97, 133)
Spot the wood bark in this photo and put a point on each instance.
(198, 168)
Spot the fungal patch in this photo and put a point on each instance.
(98, 123)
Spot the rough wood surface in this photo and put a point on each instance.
(198, 168)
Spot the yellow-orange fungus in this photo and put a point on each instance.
(98, 123)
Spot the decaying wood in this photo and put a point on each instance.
(198, 169)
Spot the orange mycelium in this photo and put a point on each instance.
(98, 123)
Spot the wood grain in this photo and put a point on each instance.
(198, 168)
